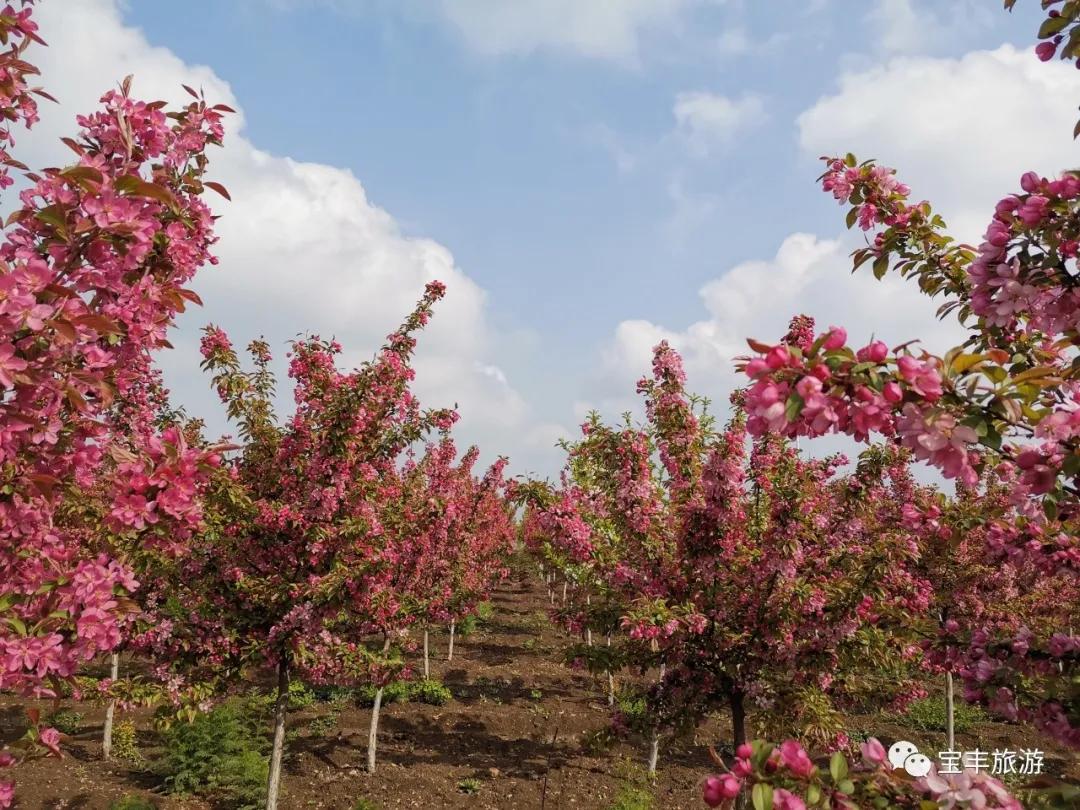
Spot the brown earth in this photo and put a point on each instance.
(517, 725)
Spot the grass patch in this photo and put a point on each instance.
(929, 714)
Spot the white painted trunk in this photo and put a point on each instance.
(588, 630)
(110, 712)
(450, 646)
(610, 681)
(950, 712)
(654, 751)
(281, 707)
(426, 665)
(373, 731)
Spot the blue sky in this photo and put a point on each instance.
(591, 174)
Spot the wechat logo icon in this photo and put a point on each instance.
(904, 754)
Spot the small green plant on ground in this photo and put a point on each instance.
(66, 721)
(364, 804)
(632, 798)
(324, 724)
(395, 692)
(132, 802)
(337, 695)
(469, 786)
(536, 694)
(300, 696)
(466, 626)
(599, 741)
(633, 710)
(220, 756)
(485, 611)
(430, 691)
(929, 714)
(125, 744)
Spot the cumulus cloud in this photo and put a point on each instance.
(758, 298)
(708, 120)
(602, 30)
(914, 27)
(302, 247)
(951, 126)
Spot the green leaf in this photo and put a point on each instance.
(762, 796)
(1051, 25)
(136, 186)
(881, 266)
(852, 217)
(53, 215)
(793, 407)
(838, 767)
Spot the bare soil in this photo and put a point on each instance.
(517, 725)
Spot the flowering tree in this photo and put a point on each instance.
(92, 273)
(1006, 400)
(463, 533)
(747, 579)
(998, 414)
(299, 569)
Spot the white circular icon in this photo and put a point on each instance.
(899, 753)
(917, 765)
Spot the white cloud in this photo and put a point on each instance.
(733, 42)
(953, 128)
(591, 28)
(758, 298)
(707, 120)
(911, 27)
(302, 248)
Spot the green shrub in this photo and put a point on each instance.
(364, 804)
(634, 710)
(66, 721)
(431, 692)
(219, 756)
(395, 692)
(324, 724)
(485, 611)
(338, 695)
(632, 798)
(467, 626)
(929, 714)
(132, 802)
(469, 786)
(125, 744)
(300, 696)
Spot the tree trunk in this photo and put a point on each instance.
(588, 629)
(738, 726)
(738, 718)
(610, 680)
(281, 707)
(654, 750)
(110, 712)
(426, 665)
(450, 647)
(564, 584)
(373, 729)
(950, 708)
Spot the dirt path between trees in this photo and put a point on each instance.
(517, 726)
